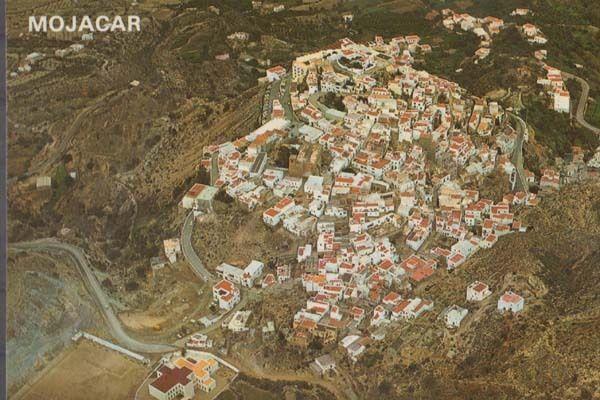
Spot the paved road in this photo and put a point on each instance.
(313, 100)
(190, 254)
(78, 256)
(286, 101)
(517, 156)
(272, 93)
(580, 113)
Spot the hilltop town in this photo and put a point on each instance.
(306, 200)
(382, 188)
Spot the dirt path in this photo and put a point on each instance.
(248, 366)
(43, 160)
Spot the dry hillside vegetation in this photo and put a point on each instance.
(237, 236)
(46, 303)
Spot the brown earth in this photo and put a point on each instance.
(237, 236)
(166, 304)
(46, 303)
(87, 368)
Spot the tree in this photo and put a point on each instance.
(334, 101)
(428, 147)
(283, 157)
(384, 388)
(315, 344)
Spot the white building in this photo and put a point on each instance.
(226, 294)
(172, 382)
(314, 184)
(562, 101)
(43, 182)
(199, 195)
(275, 73)
(454, 315)
(273, 215)
(323, 364)
(354, 346)
(411, 308)
(252, 272)
(477, 291)
(178, 377)
(172, 248)
(239, 321)
(511, 301)
(245, 277)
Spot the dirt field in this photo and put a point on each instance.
(88, 368)
(172, 298)
(235, 236)
(141, 321)
(249, 388)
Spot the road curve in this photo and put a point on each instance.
(517, 156)
(78, 256)
(580, 112)
(188, 250)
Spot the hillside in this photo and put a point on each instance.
(47, 303)
(550, 351)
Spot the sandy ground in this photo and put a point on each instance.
(174, 298)
(87, 371)
(141, 321)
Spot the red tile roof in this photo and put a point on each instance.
(171, 377)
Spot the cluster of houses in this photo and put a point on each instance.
(552, 82)
(477, 292)
(483, 28)
(388, 187)
(554, 85)
(26, 64)
(570, 169)
(404, 158)
(532, 34)
(74, 48)
(225, 292)
(486, 28)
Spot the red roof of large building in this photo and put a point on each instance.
(171, 377)
(195, 190)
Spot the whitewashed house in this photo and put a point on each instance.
(454, 315)
(477, 291)
(510, 301)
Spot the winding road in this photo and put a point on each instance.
(79, 258)
(190, 254)
(580, 112)
(517, 156)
